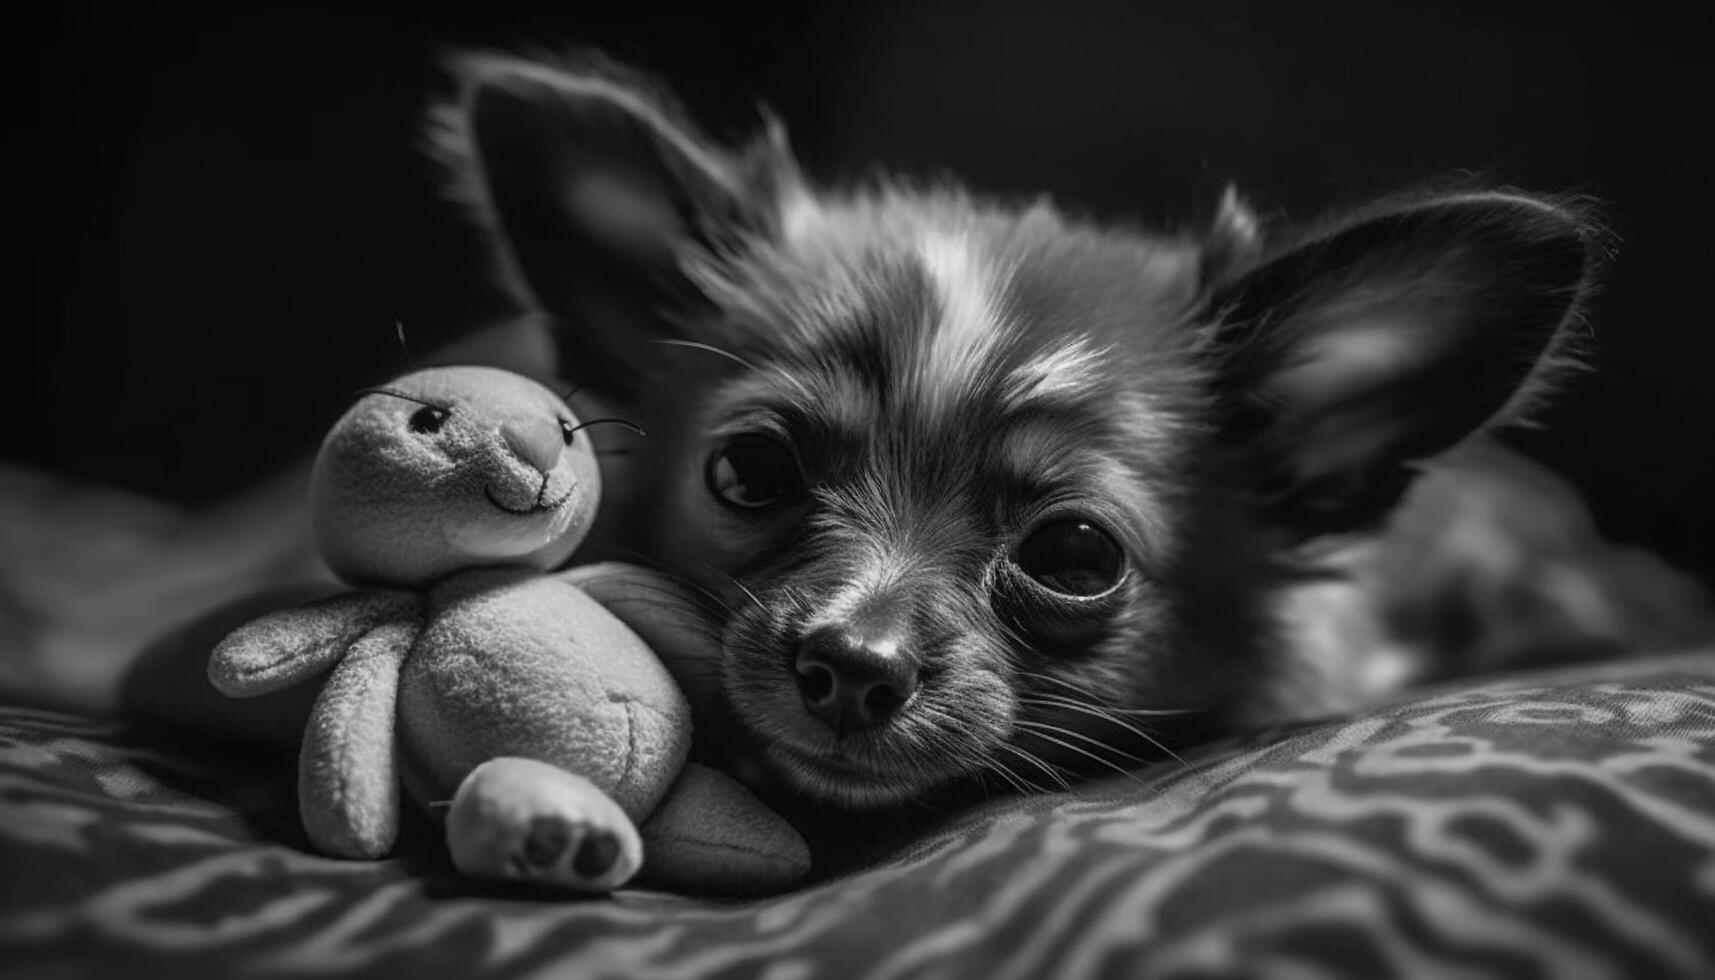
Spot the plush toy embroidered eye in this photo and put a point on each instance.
(428, 419)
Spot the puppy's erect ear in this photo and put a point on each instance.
(591, 188)
(1385, 337)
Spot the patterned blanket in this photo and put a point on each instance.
(1556, 825)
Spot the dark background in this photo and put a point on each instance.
(228, 216)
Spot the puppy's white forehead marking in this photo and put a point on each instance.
(970, 327)
(875, 571)
(800, 214)
(1061, 374)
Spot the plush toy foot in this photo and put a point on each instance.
(523, 820)
(710, 836)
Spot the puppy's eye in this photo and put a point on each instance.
(753, 472)
(568, 431)
(1072, 557)
(428, 419)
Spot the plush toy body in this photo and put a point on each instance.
(463, 673)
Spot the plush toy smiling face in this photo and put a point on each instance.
(452, 468)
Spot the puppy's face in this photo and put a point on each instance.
(939, 492)
(981, 490)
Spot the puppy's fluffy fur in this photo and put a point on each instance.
(980, 490)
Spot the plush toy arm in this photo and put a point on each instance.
(292, 645)
(348, 787)
(711, 836)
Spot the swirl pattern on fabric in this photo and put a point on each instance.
(1550, 826)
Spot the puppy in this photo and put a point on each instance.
(977, 491)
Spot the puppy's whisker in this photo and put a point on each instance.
(758, 603)
(1024, 754)
(1042, 731)
(998, 768)
(945, 737)
(1089, 697)
(803, 389)
(1086, 737)
(1157, 743)
(1109, 709)
(939, 745)
(1136, 731)
(746, 590)
(711, 348)
(1110, 716)
(995, 763)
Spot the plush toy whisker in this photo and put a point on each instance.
(382, 390)
(405, 349)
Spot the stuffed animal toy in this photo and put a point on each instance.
(460, 671)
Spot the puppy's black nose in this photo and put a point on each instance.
(852, 682)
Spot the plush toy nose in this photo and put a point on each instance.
(851, 681)
(536, 442)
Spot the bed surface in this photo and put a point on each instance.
(1555, 824)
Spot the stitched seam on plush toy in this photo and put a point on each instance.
(728, 846)
(631, 701)
(630, 704)
(626, 774)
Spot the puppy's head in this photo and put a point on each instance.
(979, 488)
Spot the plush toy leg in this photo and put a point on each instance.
(711, 836)
(348, 785)
(523, 820)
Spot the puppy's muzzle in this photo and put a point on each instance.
(854, 678)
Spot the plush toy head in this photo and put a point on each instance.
(451, 468)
